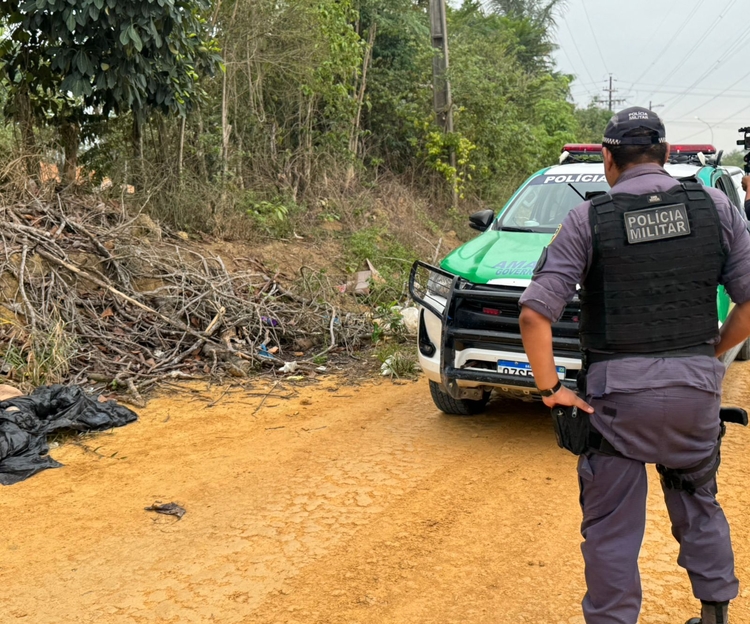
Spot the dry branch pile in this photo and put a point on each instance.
(92, 293)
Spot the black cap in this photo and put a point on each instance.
(626, 121)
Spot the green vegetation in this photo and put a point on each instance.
(271, 118)
(735, 158)
(65, 58)
(397, 361)
(43, 358)
(591, 123)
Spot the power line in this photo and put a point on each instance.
(705, 92)
(686, 57)
(735, 114)
(679, 30)
(739, 43)
(697, 122)
(680, 90)
(734, 45)
(593, 34)
(678, 87)
(593, 84)
(653, 37)
(575, 73)
(734, 95)
(575, 45)
(718, 95)
(723, 121)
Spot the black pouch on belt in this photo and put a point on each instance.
(572, 429)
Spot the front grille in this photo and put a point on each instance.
(485, 316)
(488, 309)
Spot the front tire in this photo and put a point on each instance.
(462, 407)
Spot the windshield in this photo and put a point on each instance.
(545, 201)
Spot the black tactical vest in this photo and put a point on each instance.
(656, 266)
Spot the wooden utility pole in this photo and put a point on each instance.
(611, 100)
(442, 99)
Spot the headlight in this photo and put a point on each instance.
(439, 285)
(430, 287)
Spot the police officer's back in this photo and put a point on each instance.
(648, 256)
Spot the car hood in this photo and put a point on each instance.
(497, 255)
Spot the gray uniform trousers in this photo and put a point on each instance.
(675, 427)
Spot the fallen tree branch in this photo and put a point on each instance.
(21, 279)
(141, 314)
(263, 400)
(175, 323)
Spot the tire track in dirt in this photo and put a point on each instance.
(358, 506)
(319, 494)
(454, 549)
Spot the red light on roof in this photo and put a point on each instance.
(582, 148)
(693, 149)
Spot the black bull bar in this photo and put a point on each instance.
(449, 374)
(459, 291)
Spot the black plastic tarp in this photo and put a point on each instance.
(26, 421)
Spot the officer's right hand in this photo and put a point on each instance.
(567, 397)
(745, 181)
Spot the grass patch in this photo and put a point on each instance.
(398, 361)
(375, 244)
(388, 324)
(44, 357)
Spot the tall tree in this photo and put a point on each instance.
(291, 94)
(538, 11)
(105, 56)
(592, 121)
(532, 22)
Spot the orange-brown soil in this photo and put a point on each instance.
(340, 505)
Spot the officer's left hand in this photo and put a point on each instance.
(745, 180)
(567, 397)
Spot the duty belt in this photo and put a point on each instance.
(592, 357)
(600, 444)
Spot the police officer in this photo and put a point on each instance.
(648, 257)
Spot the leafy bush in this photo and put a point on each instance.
(271, 215)
(388, 323)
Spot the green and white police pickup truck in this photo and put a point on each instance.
(469, 340)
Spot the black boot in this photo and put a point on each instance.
(712, 613)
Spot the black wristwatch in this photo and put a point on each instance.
(551, 391)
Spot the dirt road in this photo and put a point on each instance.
(342, 505)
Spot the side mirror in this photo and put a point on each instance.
(481, 220)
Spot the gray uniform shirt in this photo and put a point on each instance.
(569, 257)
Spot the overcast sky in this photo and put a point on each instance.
(690, 58)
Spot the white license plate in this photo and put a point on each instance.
(522, 369)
